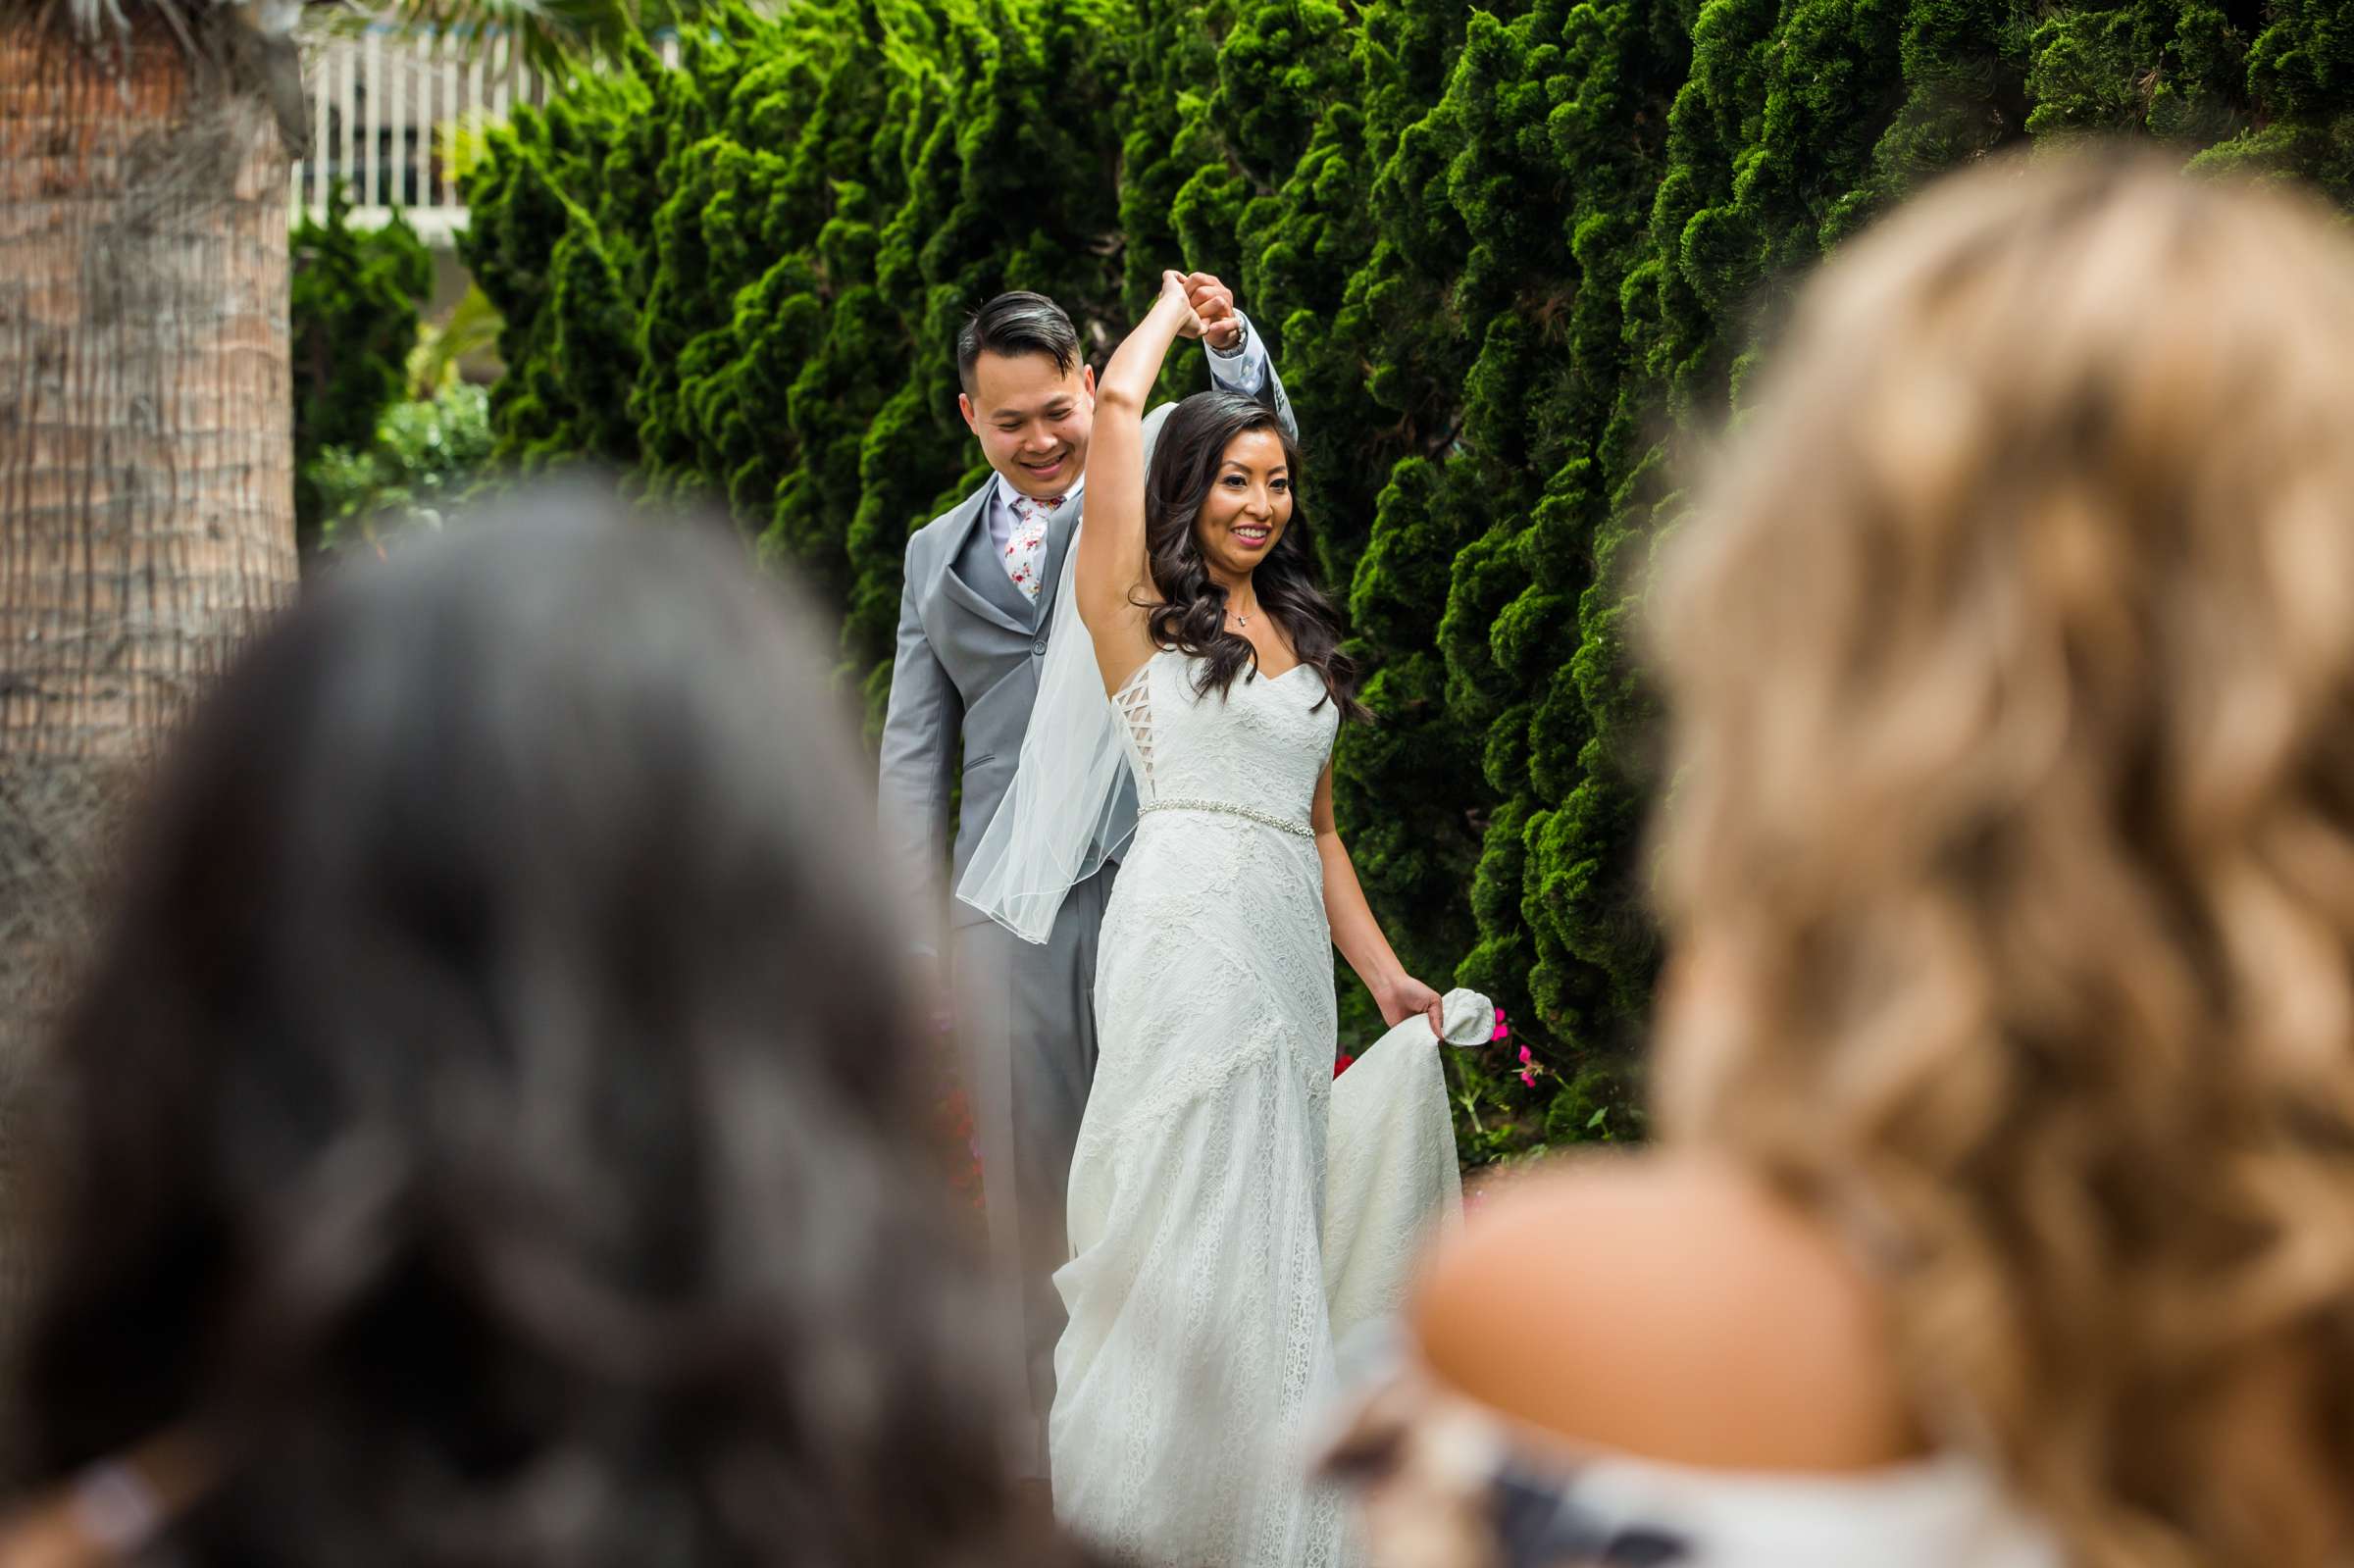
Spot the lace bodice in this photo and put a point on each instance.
(1261, 749)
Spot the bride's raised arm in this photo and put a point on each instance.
(1111, 566)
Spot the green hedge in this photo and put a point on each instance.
(356, 294)
(1506, 256)
(427, 456)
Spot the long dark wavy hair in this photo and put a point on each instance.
(1190, 614)
(488, 1123)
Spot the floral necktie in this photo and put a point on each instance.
(1026, 545)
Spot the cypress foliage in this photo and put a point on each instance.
(1510, 258)
(353, 311)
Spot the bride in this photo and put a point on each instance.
(1200, 1338)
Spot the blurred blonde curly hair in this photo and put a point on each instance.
(2011, 854)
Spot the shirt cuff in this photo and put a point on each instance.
(1243, 367)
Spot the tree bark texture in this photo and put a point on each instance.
(146, 485)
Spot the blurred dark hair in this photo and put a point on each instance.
(485, 1123)
(1019, 322)
(1190, 616)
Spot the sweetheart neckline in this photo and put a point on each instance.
(1137, 675)
(1182, 654)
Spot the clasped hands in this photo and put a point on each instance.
(1210, 313)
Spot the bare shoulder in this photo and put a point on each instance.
(1670, 1307)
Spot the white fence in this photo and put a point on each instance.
(382, 104)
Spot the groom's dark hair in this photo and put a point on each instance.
(1019, 322)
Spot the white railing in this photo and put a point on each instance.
(383, 106)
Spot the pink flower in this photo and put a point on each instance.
(1504, 1031)
(1528, 1078)
(1525, 1057)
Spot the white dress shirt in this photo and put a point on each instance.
(1241, 369)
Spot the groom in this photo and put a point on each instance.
(980, 581)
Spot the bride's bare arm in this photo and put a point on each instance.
(1357, 934)
(1111, 544)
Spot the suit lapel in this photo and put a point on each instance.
(970, 517)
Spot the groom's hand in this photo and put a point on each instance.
(1214, 302)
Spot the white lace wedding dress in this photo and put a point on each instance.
(1200, 1341)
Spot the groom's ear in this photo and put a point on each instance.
(964, 406)
(1086, 379)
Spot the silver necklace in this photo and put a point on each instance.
(1239, 618)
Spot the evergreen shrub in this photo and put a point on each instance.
(353, 316)
(428, 453)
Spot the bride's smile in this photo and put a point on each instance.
(1247, 506)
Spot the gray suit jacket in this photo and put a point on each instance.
(965, 678)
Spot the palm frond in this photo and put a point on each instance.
(459, 143)
(550, 35)
(107, 19)
(471, 331)
(99, 20)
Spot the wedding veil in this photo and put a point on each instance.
(1062, 816)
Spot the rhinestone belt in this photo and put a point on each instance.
(1265, 819)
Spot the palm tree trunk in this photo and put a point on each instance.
(146, 486)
